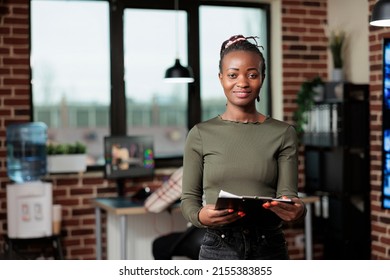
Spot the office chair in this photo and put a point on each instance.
(179, 244)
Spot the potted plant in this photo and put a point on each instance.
(309, 92)
(336, 43)
(66, 158)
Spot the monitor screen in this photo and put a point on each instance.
(128, 156)
(386, 125)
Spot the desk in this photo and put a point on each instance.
(130, 221)
(309, 201)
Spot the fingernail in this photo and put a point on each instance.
(230, 210)
(241, 214)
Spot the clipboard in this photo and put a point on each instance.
(244, 203)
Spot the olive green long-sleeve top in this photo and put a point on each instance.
(258, 159)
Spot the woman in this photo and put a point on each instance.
(245, 153)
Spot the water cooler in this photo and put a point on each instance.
(29, 207)
(29, 200)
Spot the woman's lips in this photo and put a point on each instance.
(241, 93)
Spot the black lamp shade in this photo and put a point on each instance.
(179, 74)
(381, 13)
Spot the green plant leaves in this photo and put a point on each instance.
(63, 149)
(305, 101)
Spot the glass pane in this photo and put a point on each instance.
(214, 29)
(153, 106)
(71, 71)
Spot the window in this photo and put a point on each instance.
(154, 107)
(71, 71)
(101, 72)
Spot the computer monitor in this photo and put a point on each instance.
(128, 157)
(386, 125)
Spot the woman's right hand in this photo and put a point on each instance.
(208, 216)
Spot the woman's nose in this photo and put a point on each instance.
(242, 82)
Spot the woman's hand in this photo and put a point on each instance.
(208, 216)
(286, 211)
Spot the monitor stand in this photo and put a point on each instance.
(120, 187)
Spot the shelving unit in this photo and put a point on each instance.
(336, 144)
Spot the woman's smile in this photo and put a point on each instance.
(241, 93)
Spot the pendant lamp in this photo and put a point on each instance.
(178, 73)
(381, 14)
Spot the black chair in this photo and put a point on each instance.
(179, 244)
(33, 248)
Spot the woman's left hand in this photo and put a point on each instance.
(286, 211)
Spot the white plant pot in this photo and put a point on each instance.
(66, 163)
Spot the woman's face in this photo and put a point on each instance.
(241, 78)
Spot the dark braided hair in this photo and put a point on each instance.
(241, 43)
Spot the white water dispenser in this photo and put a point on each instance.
(29, 200)
(29, 207)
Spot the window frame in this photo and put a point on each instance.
(117, 113)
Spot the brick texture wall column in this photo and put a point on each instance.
(14, 81)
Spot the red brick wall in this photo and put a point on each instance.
(304, 57)
(380, 219)
(14, 80)
(304, 51)
(304, 47)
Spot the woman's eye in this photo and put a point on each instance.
(231, 75)
(253, 76)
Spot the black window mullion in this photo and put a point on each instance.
(118, 118)
(194, 112)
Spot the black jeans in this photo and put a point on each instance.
(243, 243)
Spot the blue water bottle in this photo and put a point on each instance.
(26, 151)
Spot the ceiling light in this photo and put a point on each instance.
(178, 73)
(381, 13)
